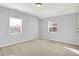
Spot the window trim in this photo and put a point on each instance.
(10, 26)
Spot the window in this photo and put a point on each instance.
(52, 26)
(15, 25)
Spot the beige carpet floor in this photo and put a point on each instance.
(39, 47)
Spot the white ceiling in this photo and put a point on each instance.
(47, 9)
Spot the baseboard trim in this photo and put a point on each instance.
(14, 43)
(60, 41)
(33, 38)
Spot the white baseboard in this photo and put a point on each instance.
(59, 40)
(32, 38)
(17, 42)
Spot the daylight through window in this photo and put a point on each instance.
(15, 25)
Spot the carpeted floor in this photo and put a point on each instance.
(40, 47)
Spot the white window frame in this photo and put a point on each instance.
(49, 25)
(20, 28)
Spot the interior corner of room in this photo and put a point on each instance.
(37, 23)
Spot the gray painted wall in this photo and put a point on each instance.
(30, 27)
(67, 29)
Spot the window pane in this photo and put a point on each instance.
(52, 26)
(15, 25)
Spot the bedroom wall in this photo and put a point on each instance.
(34, 28)
(67, 29)
(30, 27)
